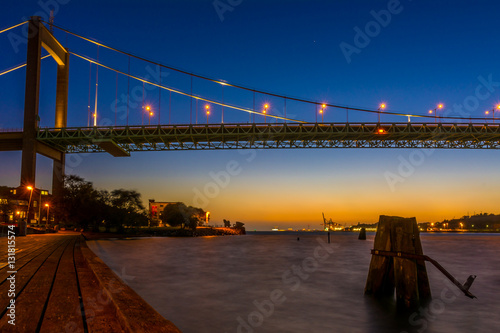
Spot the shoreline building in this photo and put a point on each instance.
(15, 201)
(156, 211)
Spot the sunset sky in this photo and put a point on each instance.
(422, 53)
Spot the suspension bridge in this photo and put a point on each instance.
(296, 123)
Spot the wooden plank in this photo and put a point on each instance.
(26, 259)
(63, 308)
(380, 281)
(25, 274)
(30, 302)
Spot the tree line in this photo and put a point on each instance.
(83, 206)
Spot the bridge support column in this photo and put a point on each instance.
(31, 98)
(38, 37)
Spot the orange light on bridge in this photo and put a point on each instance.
(430, 111)
(266, 106)
(323, 106)
(148, 108)
(382, 106)
(381, 131)
(207, 108)
(487, 112)
(440, 106)
(29, 188)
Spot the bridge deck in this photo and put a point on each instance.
(120, 141)
(62, 286)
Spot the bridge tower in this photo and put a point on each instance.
(38, 37)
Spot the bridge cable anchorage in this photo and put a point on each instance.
(20, 66)
(179, 91)
(14, 26)
(252, 89)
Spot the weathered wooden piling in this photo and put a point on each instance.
(408, 276)
(362, 234)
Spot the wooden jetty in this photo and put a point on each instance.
(62, 286)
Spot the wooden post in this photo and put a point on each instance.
(362, 234)
(408, 276)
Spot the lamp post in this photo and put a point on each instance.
(47, 222)
(493, 111)
(266, 106)
(439, 107)
(29, 202)
(148, 110)
(207, 109)
(380, 109)
(206, 217)
(322, 111)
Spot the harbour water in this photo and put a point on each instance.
(273, 282)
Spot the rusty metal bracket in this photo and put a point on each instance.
(464, 288)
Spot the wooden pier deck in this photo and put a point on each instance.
(61, 286)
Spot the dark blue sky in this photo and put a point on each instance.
(427, 52)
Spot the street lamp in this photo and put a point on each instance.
(322, 111)
(150, 115)
(266, 106)
(207, 108)
(47, 222)
(380, 109)
(206, 217)
(439, 107)
(29, 202)
(493, 111)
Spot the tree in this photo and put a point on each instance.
(85, 207)
(180, 215)
(227, 223)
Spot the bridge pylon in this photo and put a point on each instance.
(38, 37)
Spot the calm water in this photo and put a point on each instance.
(274, 283)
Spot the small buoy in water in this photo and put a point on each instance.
(298, 238)
(362, 234)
